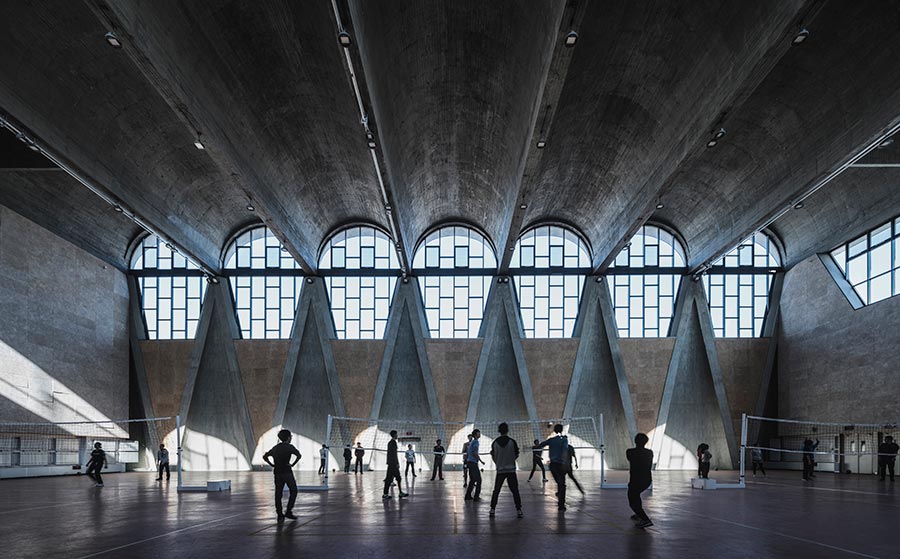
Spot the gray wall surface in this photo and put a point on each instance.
(63, 329)
(836, 363)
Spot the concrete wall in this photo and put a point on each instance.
(835, 363)
(63, 329)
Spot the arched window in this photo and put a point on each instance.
(737, 287)
(360, 300)
(548, 302)
(264, 297)
(455, 265)
(171, 293)
(643, 283)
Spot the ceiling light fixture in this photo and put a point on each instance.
(541, 144)
(571, 39)
(886, 143)
(659, 205)
(250, 208)
(113, 41)
(800, 37)
(370, 139)
(523, 207)
(309, 280)
(798, 206)
(118, 209)
(344, 39)
(711, 143)
(720, 133)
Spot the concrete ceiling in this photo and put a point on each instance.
(457, 94)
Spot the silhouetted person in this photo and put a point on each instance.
(559, 457)
(97, 462)
(887, 455)
(438, 468)
(323, 453)
(705, 460)
(410, 460)
(640, 462)
(348, 456)
(162, 462)
(465, 459)
(393, 468)
(757, 459)
(809, 458)
(359, 452)
(537, 461)
(573, 459)
(279, 457)
(505, 452)
(472, 461)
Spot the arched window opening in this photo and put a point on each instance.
(737, 287)
(265, 298)
(549, 302)
(454, 301)
(172, 290)
(643, 283)
(360, 301)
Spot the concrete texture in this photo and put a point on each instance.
(63, 329)
(502, 388)
(646, 364)
(550, 366)
(262, 366)
(310, 390)
(219, 433)
(405, 389)
(835, 363)
(357, 363)
(167, 363)
(599, 383)
(694, 408)
(743, 364)
(453, 364)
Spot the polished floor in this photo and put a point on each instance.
(136, 517)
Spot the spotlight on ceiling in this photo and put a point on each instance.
(370, 140)
(344, 39)
(800, 37)
(541, 144)
(659, 205)
(886, 143)
(118, 209)
(571, 39)
(250, 208)
(720, 133)
(197, 143)
(798, 206)
(712, 143)
(309, 280)
(599, 279)
(523, 207)
(387, 207)
(113, 41)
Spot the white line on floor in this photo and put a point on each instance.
(165, 535)
(747, 526)
(805, 487)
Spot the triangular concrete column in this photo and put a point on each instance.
(502, 388)
(694, 407)
(218, 432)
(310, 390)
(599, 384)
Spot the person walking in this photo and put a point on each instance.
(359, 452)
(887, 455)
(472, 461)
(410, 460)
(348, 456)
(640, 463)
(573, 459)
(705, 460)
(537, 461)
(162, 462)
(393, 468)
(465, 459)
(438, 468)
(559, 451)
(323, 453)
(97, 462)
(505, 452)
(279, 457)
(809, 458)
(757, 459)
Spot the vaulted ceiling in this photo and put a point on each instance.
(458, 95)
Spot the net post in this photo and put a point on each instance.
(327, 449)
(178, 446)
(602, 439)
(743, 450)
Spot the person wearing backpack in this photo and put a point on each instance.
(505, 451)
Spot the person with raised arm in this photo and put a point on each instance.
(559, 454)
